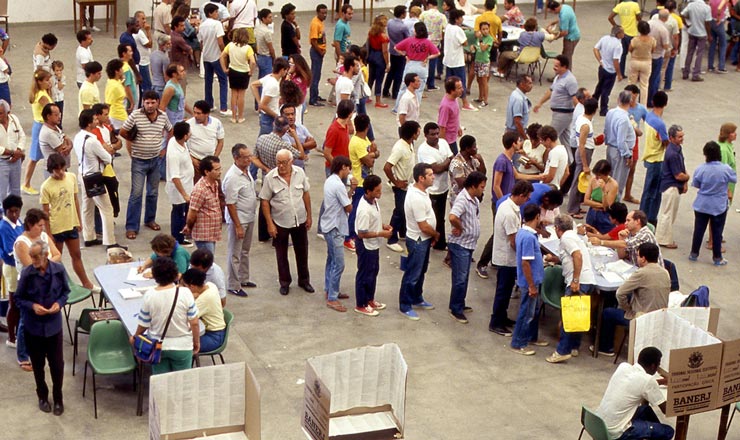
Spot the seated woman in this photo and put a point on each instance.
(601, 193)
(531, 37)
(164, 245)
(617, 215)
(209, 309)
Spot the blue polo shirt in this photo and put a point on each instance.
(540, 189)
(673, 163)
(127, 38)
(528, 248)
(568, 23)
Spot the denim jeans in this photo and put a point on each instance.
(368, 267)
(412, 282)
(266, 122)
(646, 425)
(356, 197)
(571, 341)
(604, 88)
(398, 218)
(668, 80)
(418, 68)
(177, 221)
(505, 279)
(650, 201)
(10, 179)
(625, 50)
(317, 61)
(654, 80)
(210, 341)
(719, 41)
(207, 245)
(439, 206)
(527, 321)
(395, 76)
(460, 73)
(159, 90)
(717, 225)
(460, 263)
(432, 71)
(376, 66)
(610, 319)
(620, 170)
(223, 84)
(5, 92)
(334, 263)
(362, 110)
(146, 79)
(142, 171)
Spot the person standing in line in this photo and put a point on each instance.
(204, 210)
(12, 151)
(342, 32)
(436, 152)
(83, 54)
(420, 52)
(698, 18)
(143, 39)
(180, 175)
(562, 97)
(448, 117)
(718, 44)
(370, 229)
(397, 32)
(465, 221)
(10, 228)
(162, 18)
(244, 13)
(240, 192)
(637, 114)
(408, 103)
(609, 54)
(158, 62)
(398, 169)
(180, 51)
(89, 94)
(290, 32)
(39, 97)
(674, 181)
(265, 48)
(211, 37)
(629, 15)
(454, 57)
(435, 22)
(241, 63)
(379, 63)
(656, 140)
(661, 35)
(518, 106)
(584, 153)
(619, 137)
(421, 235)
(317, 38)
(206, 135)
(269, 96)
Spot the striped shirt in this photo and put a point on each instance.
(150, 133)
(467, 209)
(153, 314)
(204, 201)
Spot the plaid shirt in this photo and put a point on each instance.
(644, 235)
(267, 147)
(204, 200)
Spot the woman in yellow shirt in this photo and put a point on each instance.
(38, 98)
(240, 57)
(115, 94)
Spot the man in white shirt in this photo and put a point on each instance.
(408, 105)
(437, 153)
(206, 135)
(608, 52)
(344, 85)
(556, 168)
(454, 55)
(245, 16)
(12, 144)
(622, 407)
(83, 54)
(143, 40)
(584, 141)
(180, 176)
(269, 96)
(211, 37)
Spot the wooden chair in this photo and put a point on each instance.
(4, 14)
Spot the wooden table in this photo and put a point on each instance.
(109, 4)
(364, 9)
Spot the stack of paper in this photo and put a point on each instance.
(130, 293)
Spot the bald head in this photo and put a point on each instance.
(663, 14)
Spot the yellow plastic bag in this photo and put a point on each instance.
(108, 171)
(576, 311)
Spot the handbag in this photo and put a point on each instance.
(576, 310)
(232, 20)
(94, 182)
(149, 350)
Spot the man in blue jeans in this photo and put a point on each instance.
(622, 408)
(211, 37)
(656, 135)
(151, 125)
(421, 234)
(317, 38)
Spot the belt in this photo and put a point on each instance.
(562, 110)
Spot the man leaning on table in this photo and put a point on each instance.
(636, 232)
(644, 291)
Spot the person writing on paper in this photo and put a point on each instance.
(182, 340)
(636, 232)
(622, 407)
(164, 245)
(644, 291)
(617, 216)
(209, 306)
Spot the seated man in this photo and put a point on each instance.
(635, 233)
(622, 407)
(644, 291)
(165, 245)
(209, 307)
(617, 215)
(202, 259)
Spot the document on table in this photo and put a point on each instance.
(131, 293)
(134, 275)
(620, 266)
(611, 276)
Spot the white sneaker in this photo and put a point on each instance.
(395, 247)
(10, 344)
(95, 29)
(226, 113)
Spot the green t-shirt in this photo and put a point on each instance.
(180, 256)
(483, 56)
(728, 157)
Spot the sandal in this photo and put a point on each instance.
(631, 200)
(336, 305)
(25, 365)
(131, 235)
(153, 226)
(670, 246)
(578, 216)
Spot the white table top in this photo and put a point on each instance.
(112, 278)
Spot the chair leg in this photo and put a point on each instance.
(74, 353)
(95, 395)
(581, 435)
(197, 361)
(140, 400)
(84, 381)
(222, 358)
(621, 346)
(67, 309)
(92, 298)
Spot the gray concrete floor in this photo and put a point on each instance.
(463, 383)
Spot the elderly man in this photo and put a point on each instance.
(644, 291)
(297, 134)
(204, 210)
(12, 151)
(286, 205)
(158, 62)
(674, 181)
(206, 135)
(145, 151)
(634, 234)
(562, 97)
(41, 293)
(240, 192)
(698, 18)
(619, 137)
(608, 52)
(517, 110)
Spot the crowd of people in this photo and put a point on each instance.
(438, 181)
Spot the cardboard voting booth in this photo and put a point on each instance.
(220, 402)
(357, 394)
(703, 371)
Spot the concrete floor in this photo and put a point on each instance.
(463, 383)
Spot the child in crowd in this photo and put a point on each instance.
(483, 62)
(58, 81)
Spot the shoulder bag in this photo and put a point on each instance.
(94, 182)
(149, 350)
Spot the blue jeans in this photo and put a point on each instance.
(650, 201)
(654, 80)
(736, 46)
(266, 122)
(505, 279)
(376, 66)
(362, 110)
(395, 76)
(146, 79)
(223, 84)
(646, 425)
(356, 197)
(668, 81)
(10, 179)
(418, 68)
(207, 245)
(159, 90)
(210, 341)
(717, 226)
(625, 50)
(719, 41)
(317, 61)
(398, 218)
(433, 63)
(264, 64)
(334, 263)
(368, 267)
(177, 221)
(610, 319)
(143, 171)
(604, 89)
(460, 73)
(527, 321)
(412, 282)
(571, 341)
(460, 263)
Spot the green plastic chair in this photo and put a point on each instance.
(553, 286)
(109, 353)
(594, 425)
(546, 55)
(77, 294)
(228, 317)
(82, 326)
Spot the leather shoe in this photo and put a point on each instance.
(58, 408)
(284, 290)
(249, 284)
(44, 405)
(307, 287)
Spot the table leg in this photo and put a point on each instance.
(682, 427)
(599, 314)
(74, 12)
(724, 415)
(364, 10)
(115, 15)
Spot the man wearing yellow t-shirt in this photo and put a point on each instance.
(89, 94)
(317, 37)
(115, 93)
(493, 20)
(362, 155)
(629, 14)
(656, 141)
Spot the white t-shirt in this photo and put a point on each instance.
(580, 122)
(271, 88)
(179, 166)
(49, 140)
(344, 86)
(533, 153)
(454, 38)
(569, 243)
(95, 155)
(409, 106)
(210, 31)
(431, 155)
(203, 138)
(83, 55)
(418, 208)
(507, 222)
(557, 158)
(245, 14)
(141, 42)
(155, 309)
(368, 219)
